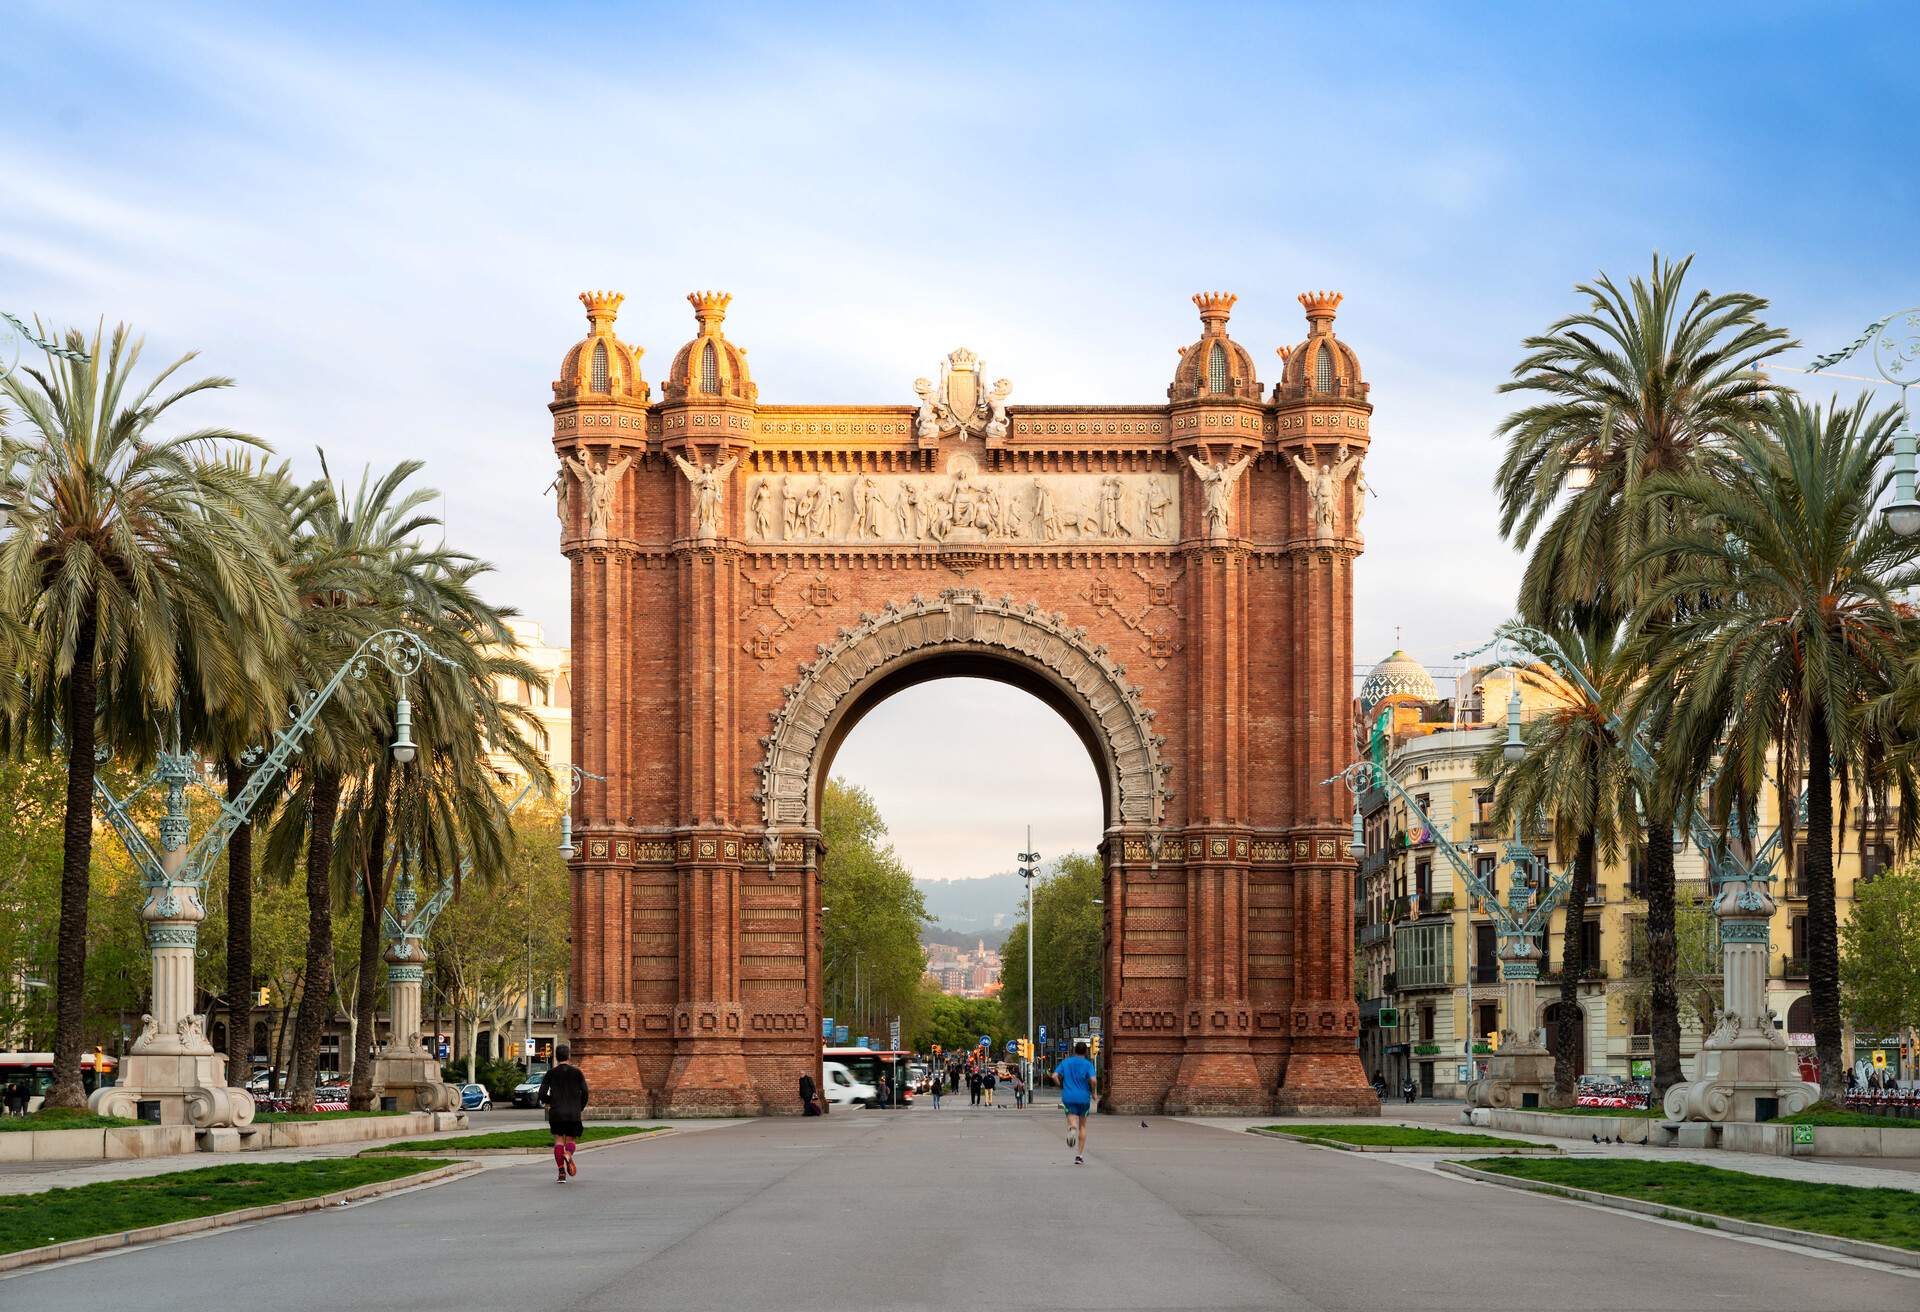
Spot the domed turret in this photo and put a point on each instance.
(600, 365)
(710, 367)
(1323, 365)
(1216, 367)
(1399, 675)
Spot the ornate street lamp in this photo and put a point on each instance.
(172, 1063)
(1029, 871)
(1896, 358)
(576, 777)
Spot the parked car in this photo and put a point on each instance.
(527, 1092)
(475, 1098)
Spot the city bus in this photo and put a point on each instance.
(867, 1066)
(34, 1072)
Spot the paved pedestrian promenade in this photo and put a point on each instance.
(924, 1209)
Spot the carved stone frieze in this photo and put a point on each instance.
(963, 506)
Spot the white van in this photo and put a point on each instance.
(842, 1089)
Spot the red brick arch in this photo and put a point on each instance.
(749, 578)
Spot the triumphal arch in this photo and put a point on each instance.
(1176, 579)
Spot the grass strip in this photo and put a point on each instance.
(62, 1118)
(1879, 1216)
(111, 1206)
(509, 1139)
(1825, 1113)
(283, 1118)
(1397, 1136)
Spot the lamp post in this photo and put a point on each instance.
(172, 1063)
(1745, 1064)
(1029, 870)
(1896, 358)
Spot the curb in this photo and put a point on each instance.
(453, 1147)
(1527, 1150)
(1859, 1248)
(175, 1229)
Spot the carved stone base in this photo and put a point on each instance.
(1325, 1084)
(191, 1088)
(1514, 1076)
(710, 1084)
(412, 1080)
(1731, 1079)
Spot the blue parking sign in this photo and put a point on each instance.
(1043, 1035)
(826, 1027)
(840, 1034)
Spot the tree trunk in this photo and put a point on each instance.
(318, 991)
(1823, 929)
(1573, 965)
(373, 898)
(1662, 956)
(240, 986)
(277, 1058)
(76, 869)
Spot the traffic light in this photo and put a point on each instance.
(1493, 1041)
(1093, 1047)
(264, 998)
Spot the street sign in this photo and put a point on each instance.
(864, 1041)
(840, 1035)
(1013, 1045)
(986, 1040)
(893, 1035)
(826, 1027)
(1093, 1024)
(1043, 1035)
(1879, 1059)
(1803, 1134)
(1464, 1074)
(1060, 1046)
(526, 1048)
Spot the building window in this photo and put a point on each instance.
(1486, 954)
(1323, 370)
(1797, 936)
(1217, 368)
(1423, 883)
(1489, 1022)
(1423, 955)
(1590, 945)
(709, 370)
(1426, 1024)
(600, 367)
(1489, 871)
(1875, 860)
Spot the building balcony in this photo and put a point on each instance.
(1481, 831)
(1414, 978)
(1592, 971)
(1368, 935)
(1793, 968)
(1437, 906)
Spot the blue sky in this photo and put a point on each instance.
(377, 218)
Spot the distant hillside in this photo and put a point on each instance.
(972, 909)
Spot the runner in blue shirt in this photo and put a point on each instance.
(1077, 1080)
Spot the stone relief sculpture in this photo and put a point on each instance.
(707, 481)
(1323, 489)
(997, 408)
(926, 423)
(1360, 490)
(562, 504)
(957, 404)
(1216, 483)
(599, 484)
(963, 505)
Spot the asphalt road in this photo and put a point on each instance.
(941, 1210)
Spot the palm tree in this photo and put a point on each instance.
(134, 562)
(1776, 624)
(1574, 773)
(1643, 383)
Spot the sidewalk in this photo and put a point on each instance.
(1871, 1173)
(34, 1177)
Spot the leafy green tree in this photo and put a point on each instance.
(1880, 953)
(1776, 624)
(1696, 972)
(1576, 777)
(956, 1024)
(135, 561)
(1645, 381)
(870, 939)
(1068, 948)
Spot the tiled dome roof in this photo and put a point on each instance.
(1216, 366)
(710, 366)
(599, 364)
(1399, 675)
(1323, 365)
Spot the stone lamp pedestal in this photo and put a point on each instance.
(403, 1069)
(172, 1063)
(1745, 1069)
(1521, 1073)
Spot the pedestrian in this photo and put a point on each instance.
(973, 1088)
(563, 1092)
(886, 1091)
(939, 1087)
(1078, 1081)
(1406, 1088)
(1019, 1090)
(809, 1096)
(987, 1081)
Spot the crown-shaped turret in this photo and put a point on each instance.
(600, 366)
(1216, 367)
(1322, 366)
(710, 367)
